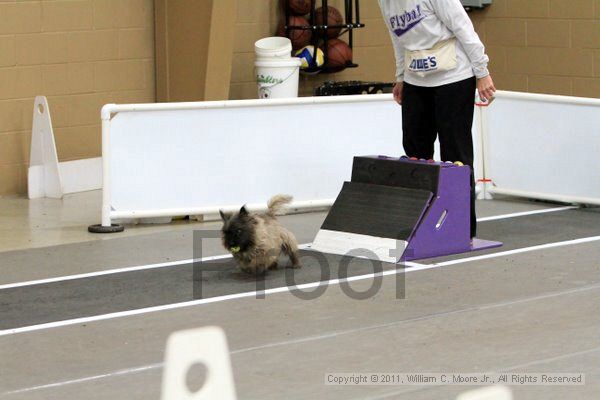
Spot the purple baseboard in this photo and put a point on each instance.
(481, 244)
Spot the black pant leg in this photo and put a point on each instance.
(454, 107)
(418, 124)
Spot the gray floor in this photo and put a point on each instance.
(534, 311)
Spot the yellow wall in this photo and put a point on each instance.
(255, 19)
(85, 53)
(81, 54)
(194, 41)
(182, 35)
(543, 46)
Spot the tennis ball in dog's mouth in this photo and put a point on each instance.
(235, 249)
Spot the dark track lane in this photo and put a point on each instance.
(38, 304)
(58, 301)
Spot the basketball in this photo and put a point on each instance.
(334, 17)
(307, 56)
(299, 37)
(298, 7)
(338, 53)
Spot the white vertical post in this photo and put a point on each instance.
(487, 175)
(43, 174)
(106, 226)
(482, 145)
(47, 177)
(106, 115)
(480, 186)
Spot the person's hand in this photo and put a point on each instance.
(398, 92)
(486, 88)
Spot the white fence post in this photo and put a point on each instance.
(47, 177)
(43, 174)
(482, 131)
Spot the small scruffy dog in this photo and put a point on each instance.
(257, 240)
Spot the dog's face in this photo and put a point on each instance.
(237, 231)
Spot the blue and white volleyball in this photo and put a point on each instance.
(307, 54)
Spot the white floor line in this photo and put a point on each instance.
(120, 270)
(337, 334)
(219, 257)
(411, 268)
(517, 251)
(209, 300)
(553, 359)
(105, 272)
(525, 213)
(421, 318)
(396, 393)
(86, 379)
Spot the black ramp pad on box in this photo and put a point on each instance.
(396, 173)
(375, 210)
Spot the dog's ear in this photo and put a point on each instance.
(224, 217)
(243, 211)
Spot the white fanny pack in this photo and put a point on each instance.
(441, 57)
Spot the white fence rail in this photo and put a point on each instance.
(544, 147)
(196, 158)
(173, 159)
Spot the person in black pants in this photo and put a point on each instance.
(445, 112)
(440, 62)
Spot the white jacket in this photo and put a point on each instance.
(420, 25)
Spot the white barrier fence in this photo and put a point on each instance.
(544, 147)
(163, 160)
(176, 159)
